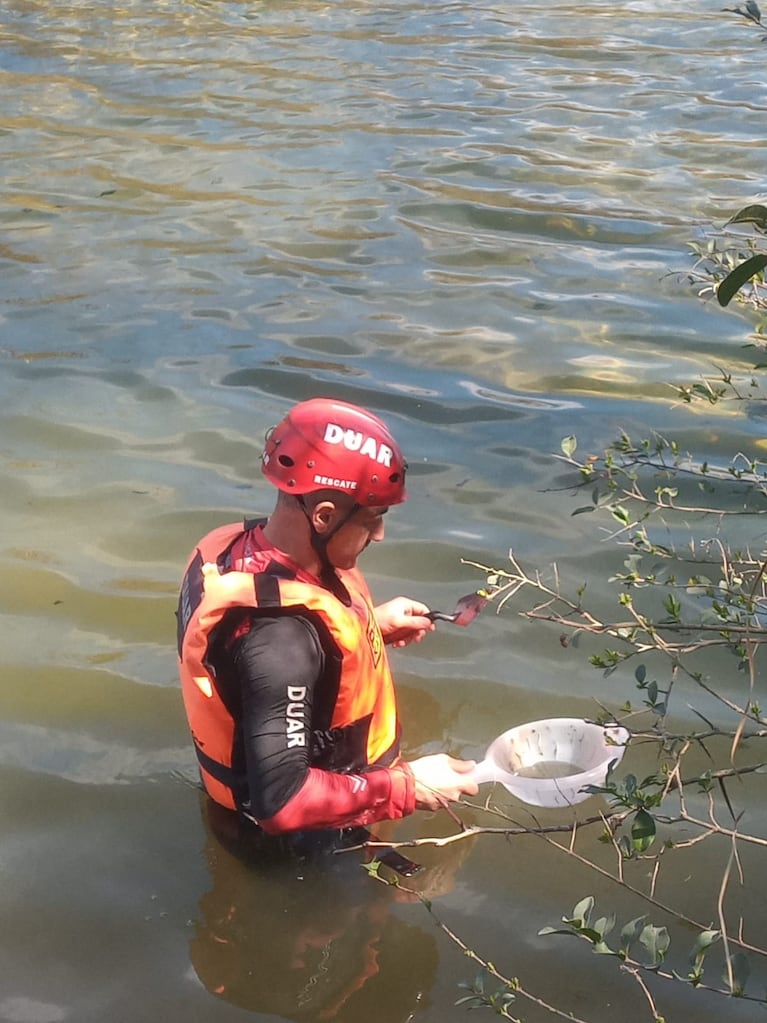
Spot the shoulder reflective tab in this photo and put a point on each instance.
(267, 589)
(248, 524)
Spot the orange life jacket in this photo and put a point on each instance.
(365, 704)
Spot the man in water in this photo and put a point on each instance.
(285, 677)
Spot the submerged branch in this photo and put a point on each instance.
(512, 984)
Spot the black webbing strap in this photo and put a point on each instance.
(267, 589)
(226, 775)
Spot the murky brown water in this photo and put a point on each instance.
(466, 216)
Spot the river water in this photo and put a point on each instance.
(471, 217)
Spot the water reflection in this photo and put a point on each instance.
(463, 216)
(303, 933)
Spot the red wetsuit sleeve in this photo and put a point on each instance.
(327, 800)
(276, 666)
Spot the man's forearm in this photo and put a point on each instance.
(328, 800)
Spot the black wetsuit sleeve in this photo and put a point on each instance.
(276, 667)
(271, 680)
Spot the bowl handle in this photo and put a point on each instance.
(485, 770)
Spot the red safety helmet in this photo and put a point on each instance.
(326, 444)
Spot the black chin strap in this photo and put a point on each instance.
(320, 543)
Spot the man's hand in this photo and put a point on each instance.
(402, 621)
(440, 779)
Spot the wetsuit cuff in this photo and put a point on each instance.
(403, 788)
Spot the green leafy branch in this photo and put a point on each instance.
(500, 1000)
(654, 942)
(731, 262)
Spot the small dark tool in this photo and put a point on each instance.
(466, 610)
(356, 838)
(404, 866)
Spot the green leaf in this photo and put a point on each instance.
(741, 971)
(640, 674)
(603, 949)
(631, 932)
(582, 509)
(568, 445)
(705, 940)
(734, 281)
(755, 214)
(604, 925)
(582, 911)
(642, 831)
(698, 954)
(478, 987)
(626, 849)
(656, 942)
(672, 605)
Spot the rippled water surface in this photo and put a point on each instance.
(471, 217)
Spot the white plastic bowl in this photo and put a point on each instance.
(548, 763)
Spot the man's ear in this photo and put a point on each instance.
(323, 514)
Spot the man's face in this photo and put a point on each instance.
(366, 525)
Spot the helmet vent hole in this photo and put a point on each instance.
(286, 460)
(394, 478)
